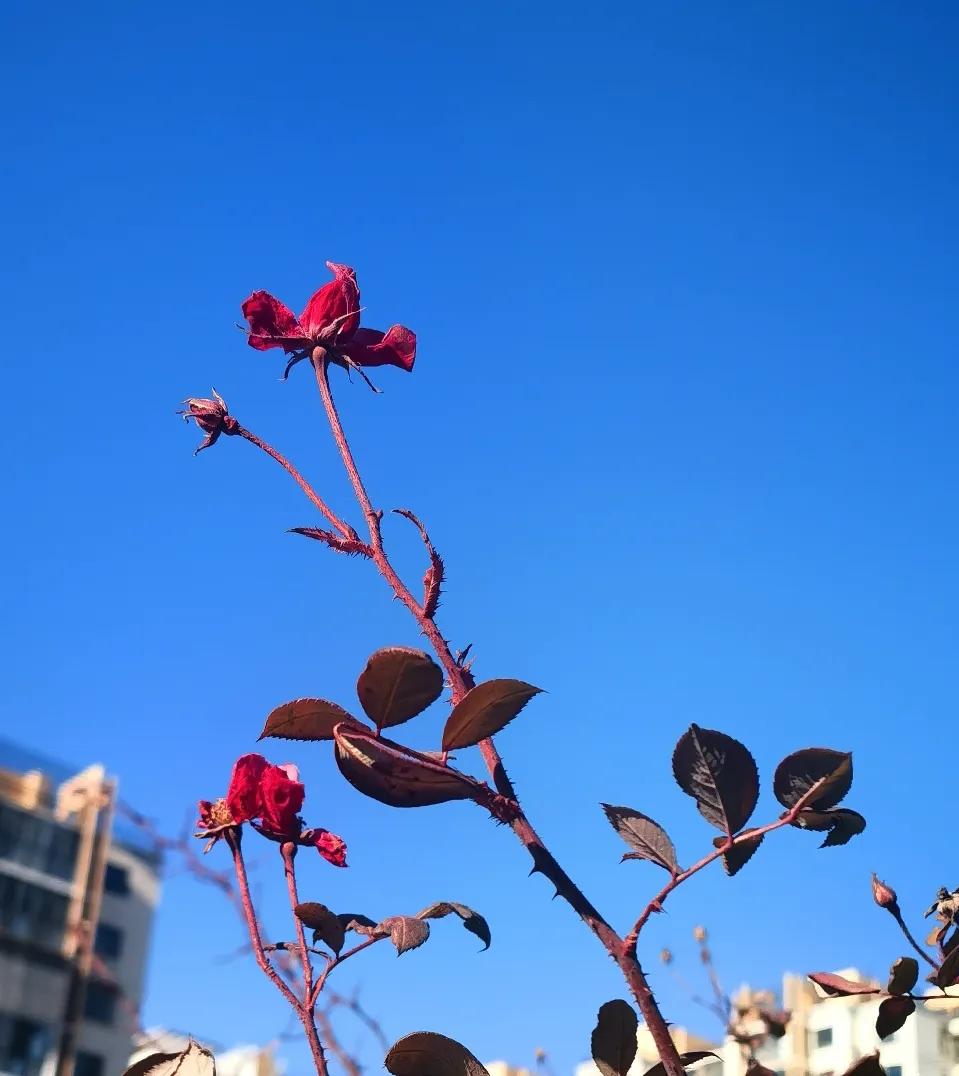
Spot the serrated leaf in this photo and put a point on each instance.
(948, 973)
(613, 1042)
(688, 1058)
(425, 1053)
(391, 777)
(326, 926)
(721, 776)
(193, 1061)
(398, 683)
(472, 921)
(740, 854)
(406, 932)
(893, 1013)
(836, 986)
(820, 775)
(485, 710)
(866, 1066)
(841, 823)
(360, 924)
(903, 975)
(647, 838)
(306, 719)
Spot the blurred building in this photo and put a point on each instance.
(77, 897)
(824, 1037)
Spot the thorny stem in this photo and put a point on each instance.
(233, 840)
(321, 506)
(335, 963)
(460, 681)
(288, 851)
(302, 1009)
(335, 1046)
(897, 915)
(677, 879)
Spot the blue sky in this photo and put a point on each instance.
(681, 423)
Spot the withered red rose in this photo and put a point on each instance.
(331, 319)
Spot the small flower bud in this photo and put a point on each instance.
(666, 956)
(884, 896)
(699, 933)
(212, 416)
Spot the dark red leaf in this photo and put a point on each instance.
(818, 775)
(893, 1013)
(406, 932)
(391, 777)
(472, 921)
(903, 975)
(721, 776)
(948, 973)
(424, 1053)
(397, 684)
(740, 854)
(838, 987)
(484, 711)
(306, 719)
(647, 838)
(841, 823)
(613, 1042)
(326, 927)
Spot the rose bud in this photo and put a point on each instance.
(885, 896)
(212, 416)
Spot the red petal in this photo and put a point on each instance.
(333, 313)
(281, 801)
(331, 847)
(272, 323)
(369, 347)
(243, 795)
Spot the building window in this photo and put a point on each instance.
(823, 1037)
(23, 1045)
(33, 841)
(31, 913)
(88, 1064)
(101, 1002)
(109, 942)
(116, 880)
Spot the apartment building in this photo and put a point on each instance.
(77, 897)
(825, 1036)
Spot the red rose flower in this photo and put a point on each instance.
(331, 319)
(243, 796)
(281, 798)
(270, 797)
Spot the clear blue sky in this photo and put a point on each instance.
(682, 423)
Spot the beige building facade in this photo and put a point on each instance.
(76, 906)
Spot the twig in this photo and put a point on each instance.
(460, 681)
